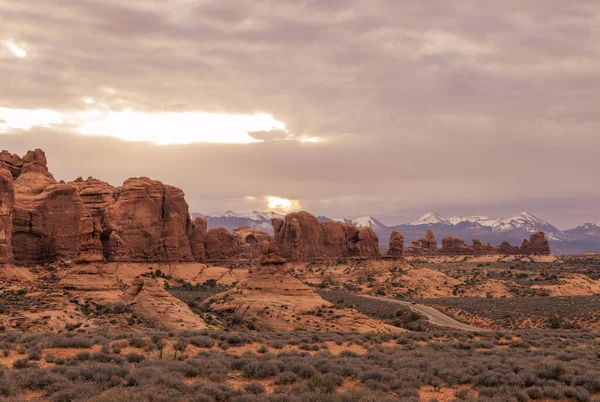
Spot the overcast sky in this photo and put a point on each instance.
(345, 107)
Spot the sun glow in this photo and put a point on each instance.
(160, 128)
(279, 204)
(15, 49)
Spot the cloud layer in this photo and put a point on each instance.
(463, 106)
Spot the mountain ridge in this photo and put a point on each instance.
(578, 240)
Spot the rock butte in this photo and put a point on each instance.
(143, 220)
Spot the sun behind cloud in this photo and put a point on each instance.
(283, 205)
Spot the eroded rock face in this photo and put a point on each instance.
(396, 243)
(537, 244)
(244, 244)
(220, 245)
(7, 202)
(149, 221)
(270, 254)
(50, 221)
(452, 245)
(250, 242)
(302, 238)
(198, 239)
(424, 246)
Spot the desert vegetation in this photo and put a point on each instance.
(301, 366)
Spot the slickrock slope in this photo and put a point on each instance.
(270, 298)
(149, 300)
(7, 201)
(301, 237)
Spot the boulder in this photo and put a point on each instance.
(7, 202)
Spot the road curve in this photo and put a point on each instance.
(436, 317)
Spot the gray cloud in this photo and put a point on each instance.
(464, 106)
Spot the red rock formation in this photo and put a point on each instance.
(97, 195)
(220, 245)
(198, 239)
(149, 221)
(302, 238)
(244, 244)
(423, 246)
(537, 244)
(366, 245)
(250, 242)
(480, 248)
(50, 221)
(396, 243)
(270, 254)
(452, 245)
(7, 201)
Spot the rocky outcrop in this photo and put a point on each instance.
(149, 221)
(537, 245)
(220, 245)
(198, 239)
(452, 245)
(148, 299)
(301, 237)
(50, 221)
(396, 246)
(244, 244)
(480, 248)
(270, 254)
(97, 195)
(424, 246)
(7, 202)
(270, 298)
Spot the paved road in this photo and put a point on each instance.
(436, 317)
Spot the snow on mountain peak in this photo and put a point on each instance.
(430, 218)
(367, 221)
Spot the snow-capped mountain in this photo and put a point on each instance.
(368, 222)
(430, 218)
(514, 229)
(525, 221)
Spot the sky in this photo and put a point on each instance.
(389, 108)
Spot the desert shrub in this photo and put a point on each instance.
(202, 341)
(254, 388)
(134, 358)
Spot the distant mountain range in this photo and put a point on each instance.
(579, 240)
